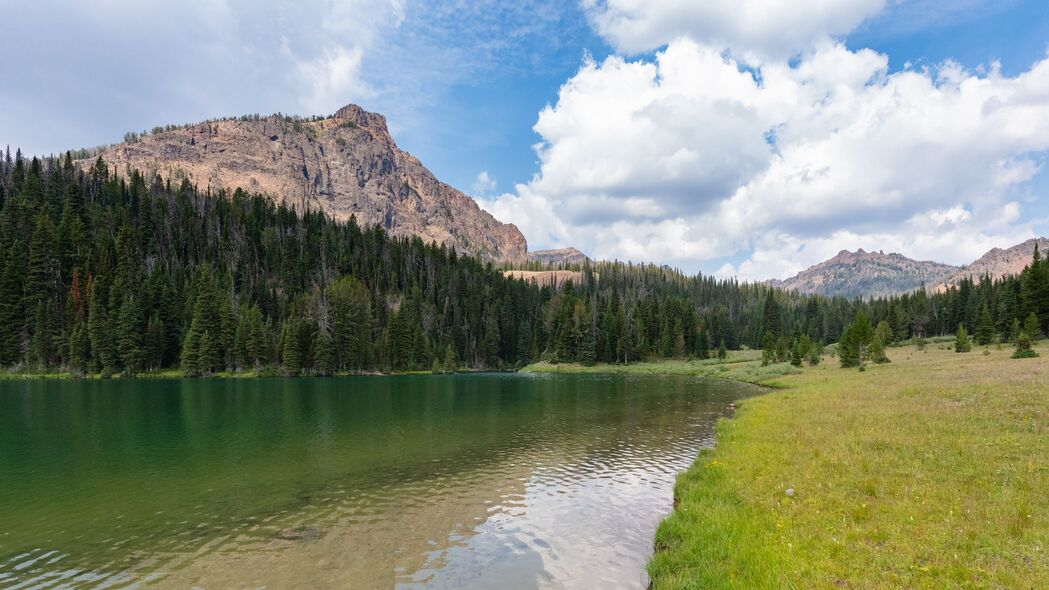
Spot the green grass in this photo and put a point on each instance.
(929, 472)
(739, 366)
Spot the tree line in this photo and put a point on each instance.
(125, 273)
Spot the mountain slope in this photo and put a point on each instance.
(998, 263)
(863, 274)
(346, 164)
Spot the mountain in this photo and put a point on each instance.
(998, 263)
(558, 256)
(346, 164)
(860, 273)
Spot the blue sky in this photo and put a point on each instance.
(463, 86)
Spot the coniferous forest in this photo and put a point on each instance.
(107, 273)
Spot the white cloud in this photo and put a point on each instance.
(693, 156)
(763, 28)
(483, 186)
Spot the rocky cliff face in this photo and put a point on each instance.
(345, 165)
(860, 273)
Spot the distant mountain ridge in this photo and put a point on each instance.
(874, 274)
(558, 256)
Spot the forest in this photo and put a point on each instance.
(107, 273)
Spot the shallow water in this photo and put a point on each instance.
(479, 481)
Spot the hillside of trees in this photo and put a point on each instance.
(107, 274)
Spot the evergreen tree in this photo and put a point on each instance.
(768, 349)
(451, 364)
(703, 344)
(130, 336)
(79, 350)
(291, 350)
(985, 327)
(722, 350)
(961, 340)
(1024, 350)
(772, 318)
(782, 349)
(797, 355)
(1032, 327)
(877, 348)
(98, 329)
(323, 353)
(815, 354)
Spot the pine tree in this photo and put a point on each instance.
(1024, 350)
(722, 350)
(451, 363)
(291, 352)
(130, 333)
(985, 327)
(703, 344)
(772, 317)
(588, 349)
(796, 353)
(155, 341)
(1014, 331)
(323, 353)
(768, 349)
(877, 349)
(1032, 328)
(98, 328)
(782, 349)
(79, 350)
(815, 354)
(961, 340)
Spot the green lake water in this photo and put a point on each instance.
(465, 481)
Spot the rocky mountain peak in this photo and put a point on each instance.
(345, 165)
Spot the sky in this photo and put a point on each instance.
(748, 138)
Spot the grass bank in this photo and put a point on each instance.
(929, 472)
(739, 366)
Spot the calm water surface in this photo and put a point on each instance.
(478, 481)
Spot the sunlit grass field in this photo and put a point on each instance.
(741, 365)
(929, 472)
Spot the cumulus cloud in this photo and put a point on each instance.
(763, 28)
(695, 155)
(484, 185)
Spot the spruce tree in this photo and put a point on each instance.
(961, 340)
(79, 350)
(797, 356)
(768, 349)
(1024, 350)
(877, 348)
(722, 350)
(985, 327)
(815, 354)
(1032, 328)
(323, 353)
(291, 352)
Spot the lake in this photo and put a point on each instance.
(477, 481)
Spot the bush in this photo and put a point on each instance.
(1023, 347)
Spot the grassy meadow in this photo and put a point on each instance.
(928, 472)
(742, 365)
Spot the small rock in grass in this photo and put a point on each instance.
(790, 492)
